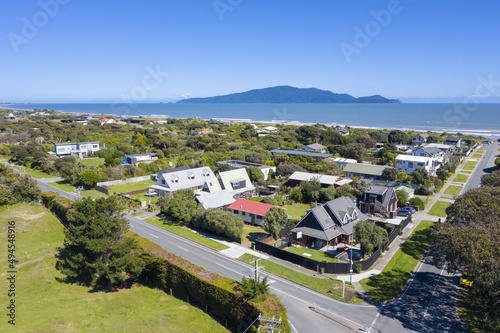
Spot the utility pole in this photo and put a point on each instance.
(256, 269)
(79, 188)
(350, 271)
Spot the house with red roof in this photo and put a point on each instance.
(249, 211)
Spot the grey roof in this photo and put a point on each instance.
(368, 169)
(314, 146)
(452, 138)
(215, 200)
(227, 178)
(243, 164)
(298, 152)
(179, 178)
(145, 154)
(384, 191)
(323, 179)
(341, 130)
(173, 170)
(432, 150)
(336, 217)
(422, 135)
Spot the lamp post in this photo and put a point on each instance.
(350, 271)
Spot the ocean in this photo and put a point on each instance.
(466, 118)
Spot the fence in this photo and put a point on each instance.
(322, 266)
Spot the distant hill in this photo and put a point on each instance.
(287, 94)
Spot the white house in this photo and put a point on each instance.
(249, 211)
(140, 158)
(171, 180)
(237, 183)
(432, 152)
(107, 121)
(409, 163)
(235, 164)
(80, 149)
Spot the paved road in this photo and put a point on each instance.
(428, 305)
(484, 166)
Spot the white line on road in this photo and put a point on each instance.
(432, 296)
(232, 270)
(154, 236)
(180, 247)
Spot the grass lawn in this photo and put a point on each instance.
(251, 233)
(460, 178)
(315, 254)
(34, 173)
(332, 288)
(143, 197)
(396, 273)
(477, 155)
(138, 213)
(46, 304)
(131, 186)
(297, 211)
(92, 161)
(65, 186)
(439, 208)
(453, 190)
(471, 165)
(184, 232)
(481, 151)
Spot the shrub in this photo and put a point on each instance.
(423, 191)
(357, 268)
(417, 202)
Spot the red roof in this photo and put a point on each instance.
(249, 206)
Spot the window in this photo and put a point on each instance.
(410, 164)
(236, 212)
(94, 146)
(235, 184)
(243, 213)
(163, 181)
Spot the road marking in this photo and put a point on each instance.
(154, 236)
(293, 327)
(432, 296)
(375, 320)
(232, 270)
(180, 247)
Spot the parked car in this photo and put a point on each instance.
(411, 209)
(404, 212)
(466, 279)
(150, 194)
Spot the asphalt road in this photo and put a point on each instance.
(484, 166)
(427, 305)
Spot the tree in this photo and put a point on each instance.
(252, 288)
(287, 169)
(402, 176)
(442, 174)
(370, 236)
(417, 202)
(218, 222)
(25, 188)
(355, 151)
(89, 178)
(492, 179)
(5, 195)
(379, 136)
(327, 194)
(255, 174)
(310, 190)
(275, 219)
(366, 141)
(180, 207)
(96, 251)
(419, 176)
(402, 198)
(329, 137)
(389, 174)
(268, 200)
(399, 137)
(296, 195)
(221, 167)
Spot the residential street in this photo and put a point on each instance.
(428, 304)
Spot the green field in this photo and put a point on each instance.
(297, 211)
(65, 186)
(92, 161)
(391, 281)
(439, 209)
(332, 288)
(453, 190)
(131, 186)
(315, 254)
(184, 232)
(461, 178)
(481, 151)
(477, 155)
(34, 173)
(45, 304)
(471, 165)
(251, 233)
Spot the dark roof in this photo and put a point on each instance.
(369, 169)
(298, 152)
(386, 192)
(452, 138)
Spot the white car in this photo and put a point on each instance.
(150, 194)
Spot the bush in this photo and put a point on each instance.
(357, 268)
(423, 191)
(417, 202)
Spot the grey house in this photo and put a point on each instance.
(379, 199)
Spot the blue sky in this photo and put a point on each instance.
(90, 51)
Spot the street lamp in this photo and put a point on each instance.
(79, 188)
(350, 271)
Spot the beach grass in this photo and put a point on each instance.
(461, 178)
(329, 287)
(391, 281)
(439, 208)
(312, 254)
(187, 233)
(470, 165)
(49, 304)
(453, 190)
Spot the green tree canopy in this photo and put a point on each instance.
(255, 174)
(389, 174)
(419, 176)
(370, 236)
(180, 208)
(89, 178)
(96, 251)
(25, 188)
(275, 219)
(402, 198)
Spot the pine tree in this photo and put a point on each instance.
(96, 252)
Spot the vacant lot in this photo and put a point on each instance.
(92, 161)
(439, 209)
(49, 305)
(392, 280)
(251, 233)
(297, 211)
(131, 186)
